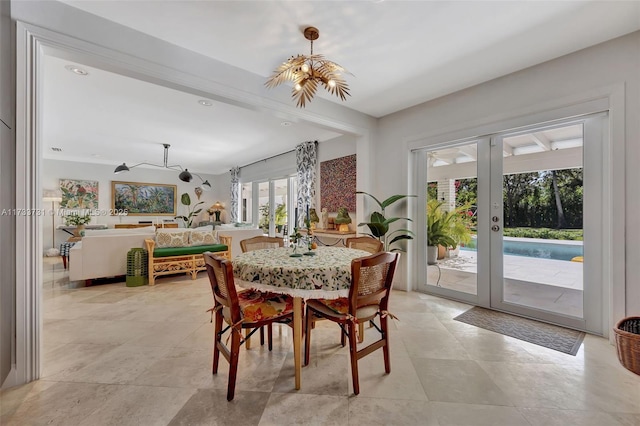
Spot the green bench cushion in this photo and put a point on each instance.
(184, 251)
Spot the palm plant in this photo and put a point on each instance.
(447, 228)
(379, 224)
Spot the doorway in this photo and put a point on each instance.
(515, 219)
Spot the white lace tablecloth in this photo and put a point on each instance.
(325, 275)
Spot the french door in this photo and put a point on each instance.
(531, 203)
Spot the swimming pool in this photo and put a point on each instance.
(542, 249)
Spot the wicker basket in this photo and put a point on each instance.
(627, 332)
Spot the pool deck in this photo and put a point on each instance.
(554, 285)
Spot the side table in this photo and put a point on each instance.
(65, 247)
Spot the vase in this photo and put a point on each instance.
(432, 255)
(79, 231)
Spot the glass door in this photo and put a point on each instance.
(540, 190)
(452, 219)
(513, 221)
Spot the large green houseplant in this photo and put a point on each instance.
(379, 224)
(445, 228)
(192, 212)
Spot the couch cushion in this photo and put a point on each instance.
(172, 239)
(184, 251)
(203, 237)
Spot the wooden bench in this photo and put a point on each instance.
(175, 260)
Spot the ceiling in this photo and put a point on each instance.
(400, 54)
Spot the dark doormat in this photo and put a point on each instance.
(550, 336)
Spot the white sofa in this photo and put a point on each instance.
(237, 234)
(103, 253)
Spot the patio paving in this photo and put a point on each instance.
(552, 285)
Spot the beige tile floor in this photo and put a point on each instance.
(115, 355)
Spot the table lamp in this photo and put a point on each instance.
(216, 210)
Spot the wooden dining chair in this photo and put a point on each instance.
(372, 246)
(248, 309)
(371, 281)
(365, 243)
(261, 242)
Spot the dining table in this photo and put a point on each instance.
(324, 274)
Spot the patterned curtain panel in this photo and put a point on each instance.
(306, 159)
(235, 193)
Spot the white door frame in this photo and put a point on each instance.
(607, 99)
(32, 44)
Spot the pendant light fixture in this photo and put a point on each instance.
(307, 72)
(185, 175)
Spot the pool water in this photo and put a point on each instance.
(541, 250)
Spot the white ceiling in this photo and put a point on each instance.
(401, 53)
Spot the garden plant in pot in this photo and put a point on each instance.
(79, 221)
(447, 229)
(379, 224)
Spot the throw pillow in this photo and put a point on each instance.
(172, 239)
(203, 237)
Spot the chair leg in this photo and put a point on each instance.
(217, 338)
(343, 338)
(247, 339)
(308, 322)
(270, 336)
(262, 336)
(354, 357)
(360, 333)
(385, 348)
(233, 364)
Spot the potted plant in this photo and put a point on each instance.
(185, 200)
(280, 214)
(445, 228)
(79, 221)
(379, 225)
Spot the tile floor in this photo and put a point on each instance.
(115, 355)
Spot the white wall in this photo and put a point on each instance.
(54, 170)
(614, 63)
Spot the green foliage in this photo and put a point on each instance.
(379, 225)
(529, 198)
(544, 233)
(185, 200)
(280, 214)
(447, 228)
(76, 219)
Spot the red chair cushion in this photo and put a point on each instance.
(259, 306)
(340, 305)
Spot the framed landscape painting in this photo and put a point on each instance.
(79, 194)
(140, 199)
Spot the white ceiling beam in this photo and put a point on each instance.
(469, 151)
(507, 149)
(541, 140)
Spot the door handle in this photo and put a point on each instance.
(495, 228)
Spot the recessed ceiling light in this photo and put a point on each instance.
(205, 102)
(56, 149)
(77, 70)
(285, 123)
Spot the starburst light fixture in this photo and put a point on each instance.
(307, 72)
